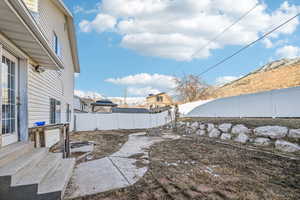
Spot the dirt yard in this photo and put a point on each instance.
(198, 168)
(106, 142)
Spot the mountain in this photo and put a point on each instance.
(279, 74)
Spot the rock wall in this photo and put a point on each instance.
(280, 137)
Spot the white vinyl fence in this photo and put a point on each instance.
(114, 121)
(276, 103)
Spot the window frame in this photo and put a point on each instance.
(68, 113)
(55, 111)
(56, 45)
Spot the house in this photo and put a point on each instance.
(80, 106)
(39, 57)
(88, 102)
(159, 100)
(130, 110)
(103, 106)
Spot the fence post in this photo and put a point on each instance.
(75, 122)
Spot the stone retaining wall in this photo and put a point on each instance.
(280, 137)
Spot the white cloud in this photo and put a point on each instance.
(272, 44)
(143, 84)
(145, 79)
(226, 79)
(79, 9)
(268, 43)
(144, 91)
(288, 51)
(176, 29)
(88, 94)
(101, 23)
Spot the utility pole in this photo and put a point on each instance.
(125, 97)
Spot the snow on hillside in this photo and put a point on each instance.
(188, 107)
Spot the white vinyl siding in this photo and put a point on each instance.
(42, 87)
(49, 84)
(47, 10)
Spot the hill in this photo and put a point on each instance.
(279, 74)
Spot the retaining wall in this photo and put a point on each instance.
(278, 137)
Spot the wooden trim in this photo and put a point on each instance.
(37, 135)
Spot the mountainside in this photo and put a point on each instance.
(279, 74)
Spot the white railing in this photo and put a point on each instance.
(284, 103)
(114, 121)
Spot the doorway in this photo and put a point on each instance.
(9, 73)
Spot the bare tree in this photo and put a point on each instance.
(191, 88)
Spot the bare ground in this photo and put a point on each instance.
(106, 142)
(197, 168)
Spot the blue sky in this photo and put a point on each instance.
(139, 49)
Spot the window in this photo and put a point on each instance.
(8, 96)
(54, 111)
(159, 99)
(56, 45)
(68, 113)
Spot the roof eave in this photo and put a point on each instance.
(72, 33)
(74, 47)
(22, 11)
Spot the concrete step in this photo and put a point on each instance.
(26, 160)
(35, 174)
(13, 151)
(54, 184)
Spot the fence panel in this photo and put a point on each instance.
(125, 121)
(114, 121)
(287, 102)
(87, 122)
(276, 103)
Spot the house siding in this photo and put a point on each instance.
(52, 84)
(42, 87)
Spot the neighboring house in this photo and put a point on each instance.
(39, 57)
(80, 106)
(130, 110)
(88, 102)
(159, 100)
(103, 106)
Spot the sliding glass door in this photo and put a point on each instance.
(9, 92)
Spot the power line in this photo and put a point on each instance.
(225, 30)
(222, 32)
(248, 45)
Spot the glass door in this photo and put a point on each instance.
(9, 93)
